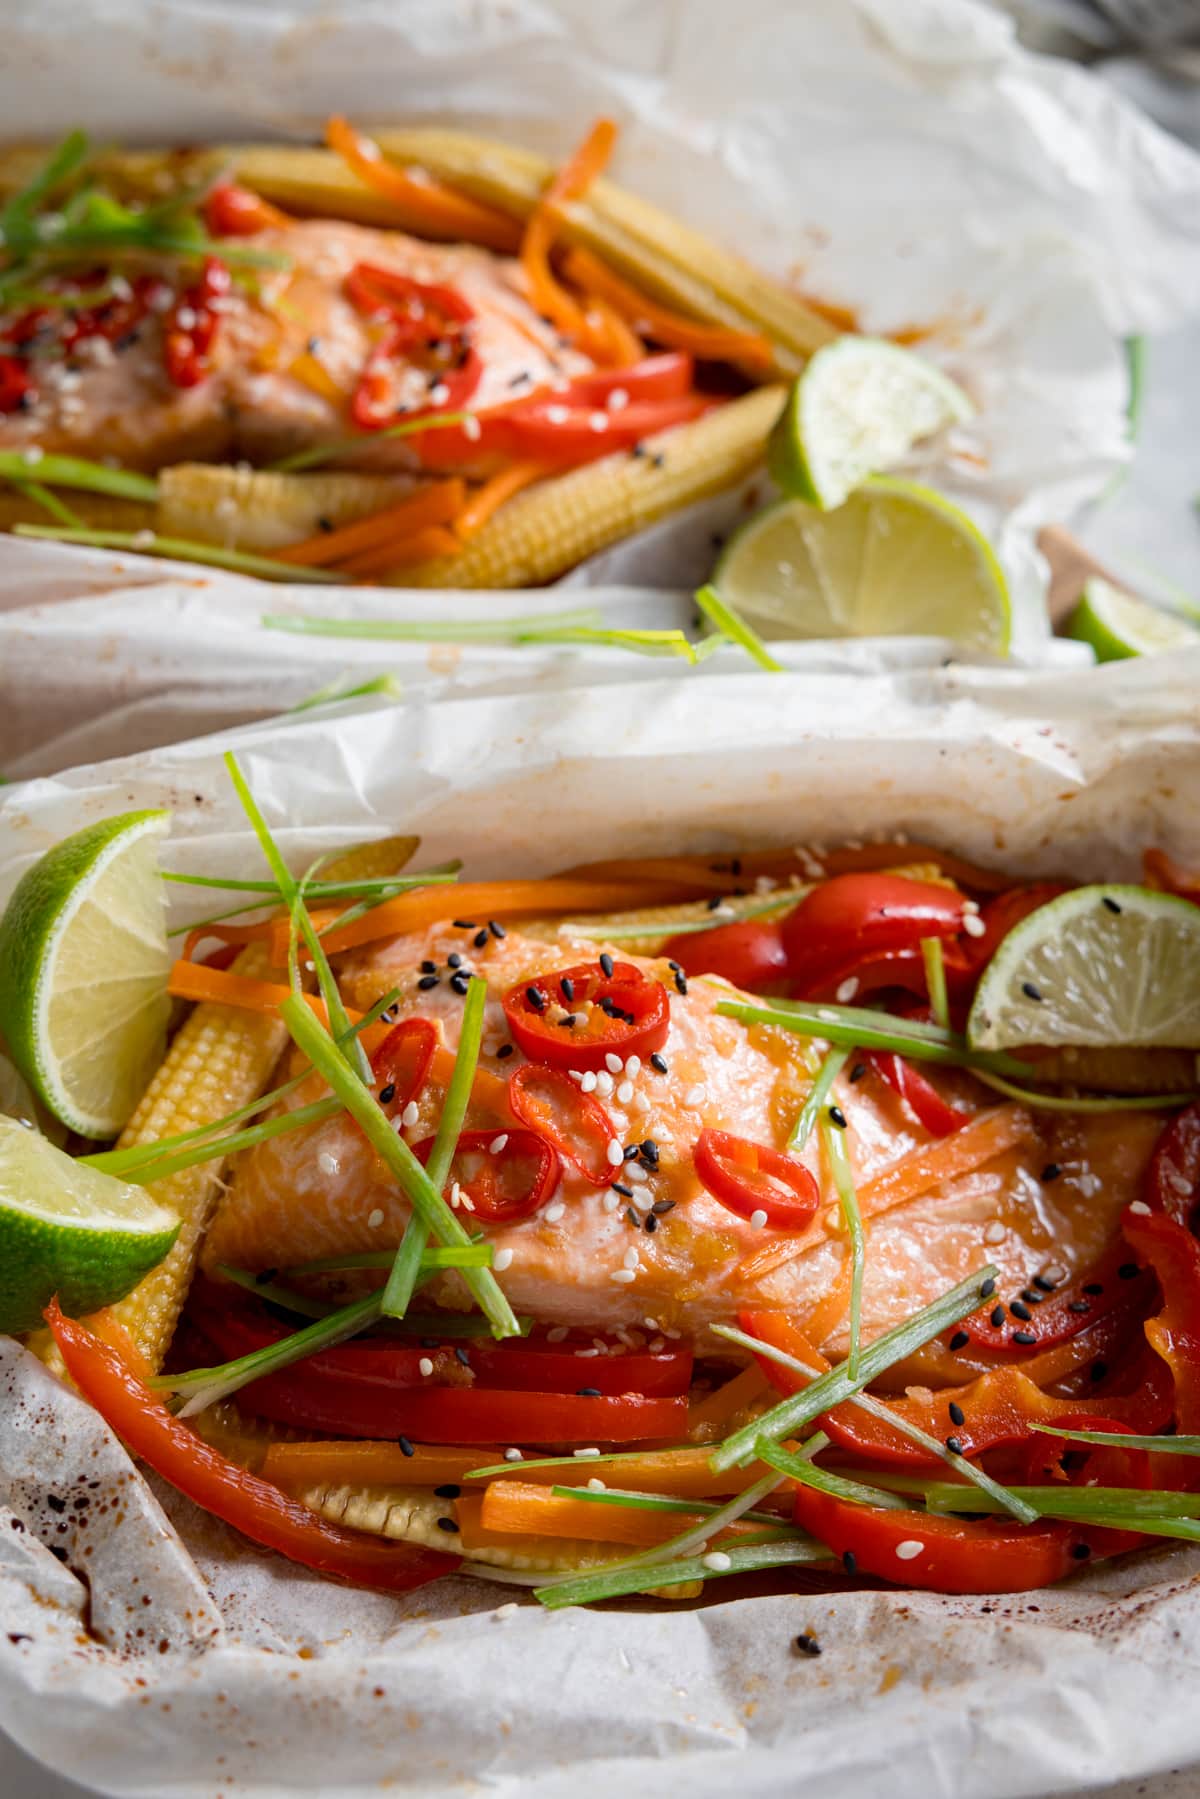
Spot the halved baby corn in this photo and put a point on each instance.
(260, 510)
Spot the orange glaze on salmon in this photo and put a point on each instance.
(321, 1192)
(109, 401)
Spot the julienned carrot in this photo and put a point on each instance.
(622, 345)
(573, 179)
(427, 203)
(833, 1304)
(479, 901)
(435, 504)
(717, 343)
(371, 1464)
(516, 1507)
(422, 546)
(491, 496)
(714, 1414)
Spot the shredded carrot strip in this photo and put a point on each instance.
(616, 343)
(547, 294)
(716, 1411)
(988, 1135)
(715, 343)
(435, 504)
(832, 1306)
(516, 1507)
(489, 498)
(424, 202)
(313, 373)
(383, 1464)
(422, 546)
(194, 981)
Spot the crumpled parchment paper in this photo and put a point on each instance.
(176, 1672)
(899, 156)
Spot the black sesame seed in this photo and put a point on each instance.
(623, 1190)
(1079, 1305)
(998, 1317)
(606, 965)
(265, 1277)
(462, 1355)
(460, 981)
(1128, 1271)
(448, 1524)
(430, 1342)
(1098, 1370)
(1020, 1310)
(954, 1445)
(1032, 1298)
(464, 924)
(496, 929)
(838, 1117)
(632, 1217)
(406, 1447)
(1024, 1338)
(536, 998)
(480, 940)
(1045, 1286)
(651, 1223)
(715, 903)
(387, 1094)
(427, 981)
(1081, 1551)
(454, 960)
(1030, 991)
(1094, 1287)
(675, 967)
(632, 1151)
(957, 1415)
(987, 1289)
(429, 968)
(1051, 1171)
(850, 1561)
(959, 1340)
(569, 1022)
(680, 982)
(505, 1049)
(858, 1071)
(1111, 904)
(449, 1491)
(567, 986)
(658, 1062)
(806, 1645)
(662, 1206)
(587, 1392)
(313, 345)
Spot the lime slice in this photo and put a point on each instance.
(83, 972)
(1118, 625)
(68, 1229)
(859, 406)
(895, 560)
(1099, 967)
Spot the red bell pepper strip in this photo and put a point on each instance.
(667, 376)
(942, 1554)
(920, 1095)
(750, 1178)
(1045, 1318)
(503, 1185)
(1172, 1180)
(17, 391)
(623, 1012)
(855, 919)
(191, 328)
(1174, 1255)
(553, 432)
(550, 1103)
(259, 1510)
(747, 955)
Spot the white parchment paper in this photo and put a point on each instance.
(900, 156)
(191, 1666)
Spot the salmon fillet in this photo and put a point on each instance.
(115, 400)
(321, 1191)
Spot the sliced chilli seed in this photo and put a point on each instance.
(751, 1178)
(550, 1104)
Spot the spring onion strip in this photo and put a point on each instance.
(204, 1386)
(141, 1155)
(1118, 1440)
(315, 1042)
(160, 1167)
(705, 647)
(385, 885)
(1092, 1102)
(398, 1291)
(49, 501)
(865, 1402)
(830, 1389)
(431, 630)
(64, 160)
(619, 1581)
(654, 1502)
(882, 1032)
(653, 930)
(77, 472)
(804, 1470)
(322, 453)
(833, 1141)
(831, 1067)
(733, 626)
(1124, 1508)
(935, 979)
(303, 1304)
(429, 1324)
(337, 691)
(641, 643)
(381, 890)
(179, 549)
(475, 1254)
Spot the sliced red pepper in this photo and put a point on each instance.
(17, 391)
(667, 376)
(255, 1507)
(1172, 1180)
(747, 955)
(467, 1414)
(624, 1012)
(1044, 1319)
(428, 324)
(920, 1095)
(854, 920)
(940, 1554)
(751, 1177)
(232, 211)
(191, 329)
(503, 1185)
(1174, 1255)
(551, 1104)
(553, 432)
(402, 1061)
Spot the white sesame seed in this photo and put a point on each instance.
(121, 289)
(143, 540)
(502, 1260)
(410, 1113)
(398, 1126)
(633, 1067)
(472, 430)
(575, 1074)
(425, 1366)
(588, 1083)
(757, 1219)
(596, 1486)
(651, 1324)
(586, 1354)
(622, 1276)
(553, 1213)
(765, 883)
(557, 415)
(613, 1063)
(375, 1219)
(611, 1201)
(33, 455)
(625, 1093)
(618, 399)
(604, 1084)
(186, 318)
(833, 1218)
(598, 421)
(615, 1154)
(1140, 1207)
(656, 1344)
(455, 1197)
(718, 1561)
(636, 1173)
(631, 1257)
(973, 925)
(847, 990)
(970, 905)
(439, 394)
(498, 1143)
(513, 1455)
(995, 1232)
(695, 1096)
(465, 1201)
(641, 1102)
(508, 1610)
(909, 1550)
(1056, 1273)
(327, 1164)
(583, 1455)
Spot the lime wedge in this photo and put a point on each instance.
(83, 972)
(1118, 625)
(895, 560)
(68, 1229)
(1099, 967)
(859, 406)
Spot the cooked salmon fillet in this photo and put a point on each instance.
(288, 354)
(321, 1191)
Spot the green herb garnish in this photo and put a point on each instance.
(833, 1142)
(180, 549)
(734, 628)
(76, 472)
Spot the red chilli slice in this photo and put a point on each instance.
(502, 1184)
(552, 1106)
(750, 1177)
(624, 1012)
